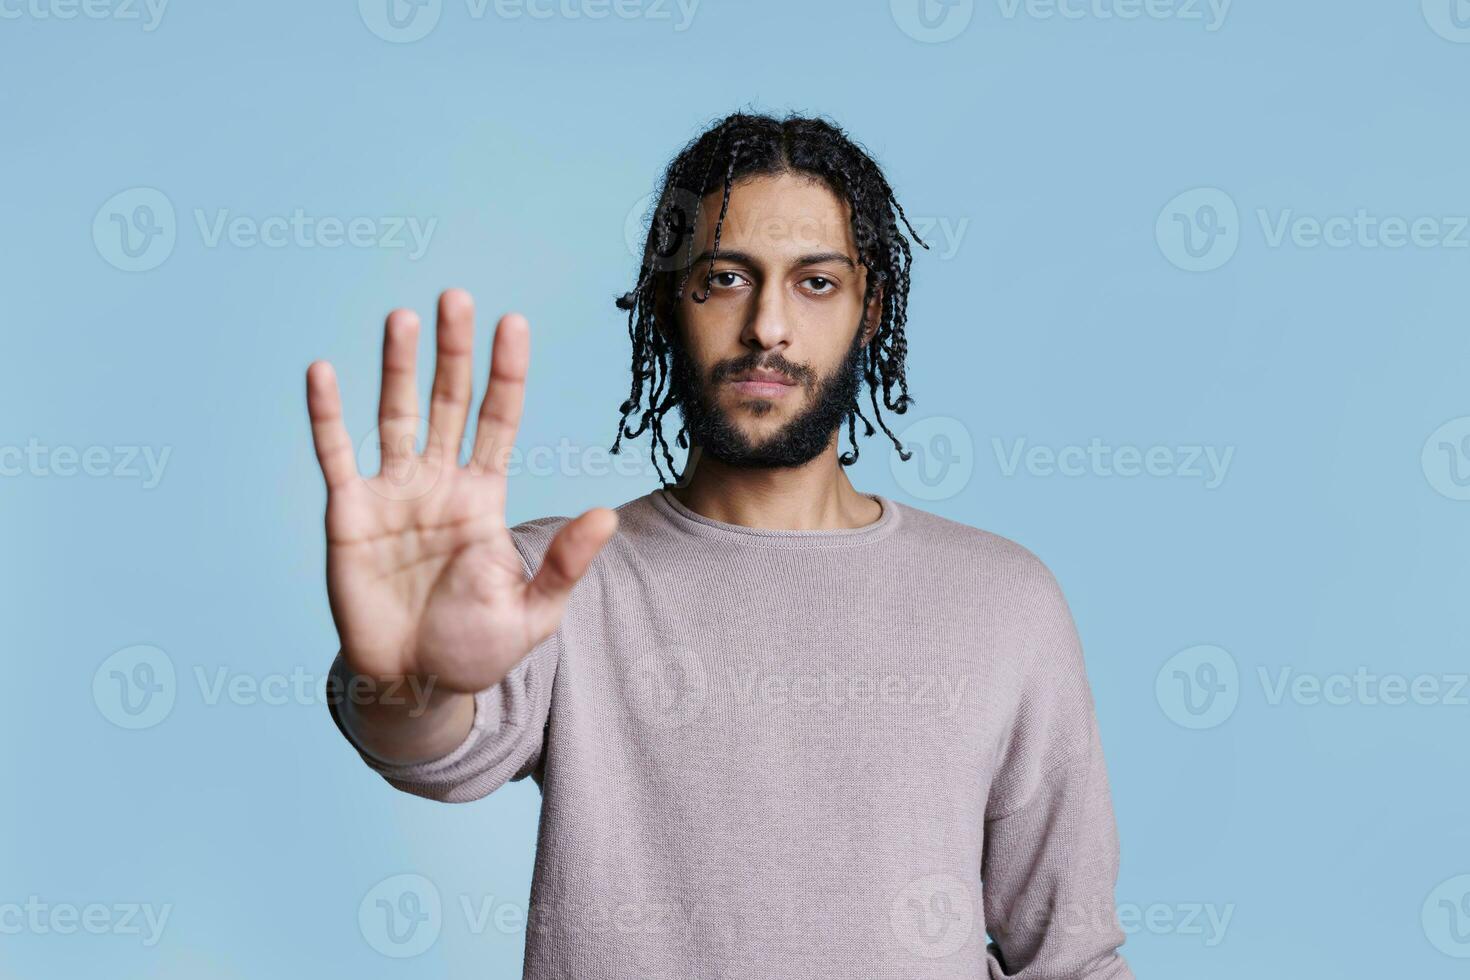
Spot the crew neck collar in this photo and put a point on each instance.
(707, 527)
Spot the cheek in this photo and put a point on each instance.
(695, 342)
(826, 329)
(710, 327)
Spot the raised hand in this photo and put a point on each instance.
(422, 574)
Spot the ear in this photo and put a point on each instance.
(873, 315)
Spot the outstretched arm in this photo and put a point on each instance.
(427, 588)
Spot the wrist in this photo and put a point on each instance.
(400, 720)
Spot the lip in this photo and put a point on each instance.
(762, 389)
(764, 377)
(762, 383)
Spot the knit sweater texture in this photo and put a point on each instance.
(780, 754)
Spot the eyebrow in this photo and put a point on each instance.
(745, 258)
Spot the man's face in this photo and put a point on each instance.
(768, 365)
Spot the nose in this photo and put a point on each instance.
(768, 325)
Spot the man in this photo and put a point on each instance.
(781, 728)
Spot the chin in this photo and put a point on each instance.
(756, 407)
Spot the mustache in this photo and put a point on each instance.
(799, 373)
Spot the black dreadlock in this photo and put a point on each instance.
(745, 145)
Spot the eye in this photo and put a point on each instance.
(823, 284)
(726, 278)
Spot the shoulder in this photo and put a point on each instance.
(997, 590)
(1003, 569)
(533, 537)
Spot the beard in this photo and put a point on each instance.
(799, 441)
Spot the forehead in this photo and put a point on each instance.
(778, 217)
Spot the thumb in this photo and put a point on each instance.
(567, 560)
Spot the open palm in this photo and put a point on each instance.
(423, 577)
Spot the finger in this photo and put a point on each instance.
(567, 560)
(449, 404)
(328, 434)
(398, 405)
(505, 395)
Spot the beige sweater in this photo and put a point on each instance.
(781, 754)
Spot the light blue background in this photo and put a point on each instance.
(1055, 142)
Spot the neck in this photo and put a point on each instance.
(816, 496)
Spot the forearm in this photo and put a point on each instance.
(401, 722)
(449, 746)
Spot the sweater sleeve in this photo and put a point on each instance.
(507, 738)
(1050, 858)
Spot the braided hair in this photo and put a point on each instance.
(746, 145)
